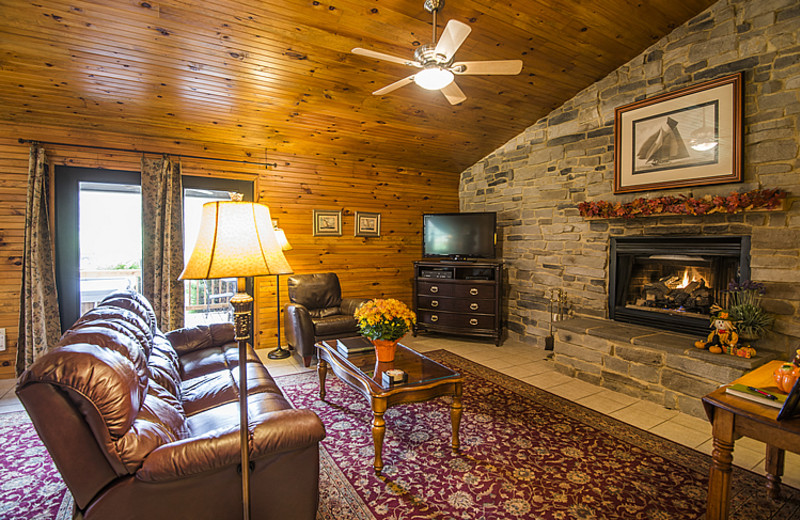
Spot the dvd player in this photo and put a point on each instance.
(436, 273)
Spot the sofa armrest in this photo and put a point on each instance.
(351, 305)
(202, 336)
(298, 327)
(272, 433)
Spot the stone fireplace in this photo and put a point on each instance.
(672, 283)
(537, 180)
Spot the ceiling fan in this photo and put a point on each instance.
(436, 61)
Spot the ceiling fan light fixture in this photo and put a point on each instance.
(433, 78)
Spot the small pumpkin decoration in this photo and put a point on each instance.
(785, 376)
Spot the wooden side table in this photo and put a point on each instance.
(733, 417)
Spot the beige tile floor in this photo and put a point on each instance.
(531, 364)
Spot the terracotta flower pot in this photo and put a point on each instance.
(385, 349)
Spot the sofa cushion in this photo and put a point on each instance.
(214, 388)
(200, 337)
(135, 302)
(159, 421)
(164, 365)
(130, 320)
(113, 337)
(325, 312)
(334, 325)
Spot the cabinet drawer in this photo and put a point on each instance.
(472, 305)
(435, 303)
(465, 305)
(456, 321)
(474, 290)
(434, 289)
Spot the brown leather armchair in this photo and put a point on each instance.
(146, 425)
(318, 312)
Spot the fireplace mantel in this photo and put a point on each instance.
(755, 200)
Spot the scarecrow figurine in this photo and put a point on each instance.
(723, 338)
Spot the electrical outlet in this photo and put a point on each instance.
(2, 339)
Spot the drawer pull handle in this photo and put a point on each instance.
(473, 322)
(473, 306)
(434, 318)
(435, 303)
(474, 291)
(434, 289)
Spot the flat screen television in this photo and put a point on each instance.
(459, 236)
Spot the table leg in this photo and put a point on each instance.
(322, 372)
(455, 415)
(719, 483)
(378, 431)
(774, 470)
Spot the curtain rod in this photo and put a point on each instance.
(241, 161)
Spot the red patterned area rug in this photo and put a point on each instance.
(30, 486)
(526, 454)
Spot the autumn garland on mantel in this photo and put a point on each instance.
(684, 205)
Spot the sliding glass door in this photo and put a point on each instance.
(98, 230)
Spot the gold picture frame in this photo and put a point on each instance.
(327, 223)
(689, 137)
(367, 224)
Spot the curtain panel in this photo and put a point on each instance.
(39, 321)
(162, 240)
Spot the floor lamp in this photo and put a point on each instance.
(236, 240)
(280, 352)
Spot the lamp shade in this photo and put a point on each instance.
(236, 240)
(284, 243)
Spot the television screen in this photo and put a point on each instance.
(459, 235)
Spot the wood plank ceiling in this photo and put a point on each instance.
(260, 76)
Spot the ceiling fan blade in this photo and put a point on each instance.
(453, 94)
(505, 67)
(394, 86)
(453, 36)
(381, 56)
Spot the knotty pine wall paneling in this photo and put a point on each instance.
(293, 188)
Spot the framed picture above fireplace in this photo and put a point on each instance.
(689, 137)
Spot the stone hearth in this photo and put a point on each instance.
(660, 366)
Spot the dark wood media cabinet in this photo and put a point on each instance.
(459, 297)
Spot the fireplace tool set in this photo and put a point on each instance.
(557, 298)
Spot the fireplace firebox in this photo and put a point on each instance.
(672, 283)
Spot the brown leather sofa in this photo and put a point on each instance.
(318, 312)
(144, 425)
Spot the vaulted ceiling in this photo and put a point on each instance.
(278, 75)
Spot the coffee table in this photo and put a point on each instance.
(427, 379)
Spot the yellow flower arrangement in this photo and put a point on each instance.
(385, 319)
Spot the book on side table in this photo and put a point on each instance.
(354, 345)
(757, 395)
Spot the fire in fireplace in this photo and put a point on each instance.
(672, 282)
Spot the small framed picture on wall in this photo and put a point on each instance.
(368, 224)
(327, 223)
